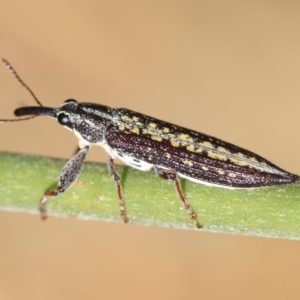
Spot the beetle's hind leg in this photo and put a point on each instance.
(68, 175)
(113, 172)
(172, 175)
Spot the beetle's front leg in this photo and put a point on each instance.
(68, 175)
(172, 175)
(113, 172)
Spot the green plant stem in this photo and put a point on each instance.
(271, 212)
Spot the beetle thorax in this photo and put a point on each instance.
(88, 121)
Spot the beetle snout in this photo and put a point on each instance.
(36, 110)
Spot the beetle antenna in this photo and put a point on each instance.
(11, 69)
(16, 120)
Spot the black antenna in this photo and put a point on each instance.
(14, 72)
(16, 120)
(11, 69)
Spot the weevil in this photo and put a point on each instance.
(143, 143)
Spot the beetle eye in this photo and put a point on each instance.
(63, 119)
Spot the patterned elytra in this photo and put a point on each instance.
(132, 137)
(143, 142)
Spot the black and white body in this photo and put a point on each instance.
(143, 142)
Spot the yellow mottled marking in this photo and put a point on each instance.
(135, 130)
(238, 162)
(253, 159)
(121, 127)
(183, 136)
(166, 130)
(183, 143)
(168, 155)
(221, 172)
(126, 118)
(152, 125)
(204, 168)
(199, 150)
(216, 156)
(188, 162)
(232, 175)
(240, 154)
(191, 148)
(207, 144)
(224, 150)
(135, 119)
(174, 143)
(156, 138)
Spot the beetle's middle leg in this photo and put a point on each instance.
(172, 175)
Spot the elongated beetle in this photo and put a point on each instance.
(143, 142)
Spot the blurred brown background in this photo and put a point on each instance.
(230, 69)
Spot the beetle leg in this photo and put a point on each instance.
(113, 172)
(68, 175)
(172, 175)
